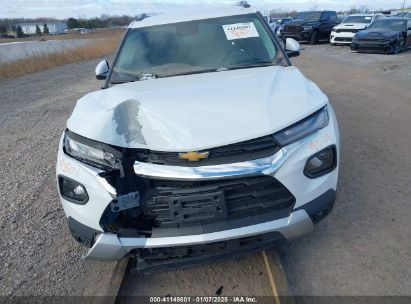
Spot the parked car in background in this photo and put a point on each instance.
(275, 23)
(311, 26)
(400, 15)
(340, 19)
(388, 35)
(408, 16)
(279, 31)
(344, 32)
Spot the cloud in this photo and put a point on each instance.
(92, 8)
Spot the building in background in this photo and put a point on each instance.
(29, 28)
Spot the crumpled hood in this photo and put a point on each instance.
(376, 34)
(195, 112)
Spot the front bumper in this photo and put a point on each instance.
(300, 222)
(314, 198)
(373, 46)
(341, 38)
(112, 247)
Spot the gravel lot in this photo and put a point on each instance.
(37, 254)
(363, 248)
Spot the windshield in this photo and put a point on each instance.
(392, 25)
(308, 16)
(195, 47)
(276, 21)
(358, 19)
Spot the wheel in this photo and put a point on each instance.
(399, 47)
(314, 38)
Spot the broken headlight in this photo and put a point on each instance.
(91, 152)
(304, 127)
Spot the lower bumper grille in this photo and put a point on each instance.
(159, 259)
(342, 39)
(173, 204)
(177, 208)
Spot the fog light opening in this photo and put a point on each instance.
(72, 191)
(321, 163)
(320, 215)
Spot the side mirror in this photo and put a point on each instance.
(102, 70)
(292, 47)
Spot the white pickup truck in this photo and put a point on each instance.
(204, 142)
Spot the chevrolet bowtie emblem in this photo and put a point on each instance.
(193, 156)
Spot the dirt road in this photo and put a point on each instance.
(363, 248)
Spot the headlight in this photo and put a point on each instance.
(91, 152)
(333, 30)
(307, 28)
(304, 127)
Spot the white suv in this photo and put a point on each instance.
(204, 142)
(345, 31)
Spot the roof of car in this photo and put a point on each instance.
(394, 18)
(190, 15)
(359, 14)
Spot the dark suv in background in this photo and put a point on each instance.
(311, 26)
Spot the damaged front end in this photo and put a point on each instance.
(164, 206)
(177, 204)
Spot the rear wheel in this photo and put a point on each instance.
(314, 38)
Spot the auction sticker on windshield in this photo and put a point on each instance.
(240, 31)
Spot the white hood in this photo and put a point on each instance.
(352, 26)
(196, 112)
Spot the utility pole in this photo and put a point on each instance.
(403, 5)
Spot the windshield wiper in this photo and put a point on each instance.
(192, 72)
(140, 77)
(247, 65)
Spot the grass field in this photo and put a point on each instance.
(105, 43)
(97, 33)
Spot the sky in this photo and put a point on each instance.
(94, 8)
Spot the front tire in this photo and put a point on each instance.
(399, 47)
(314, 38)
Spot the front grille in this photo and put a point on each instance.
(238, 152)
(177, 203)
(292, 29)
(347, 30)
(342, 39)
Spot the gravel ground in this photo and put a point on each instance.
(362, 248)
(37, 254)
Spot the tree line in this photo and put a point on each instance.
(99, 22)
